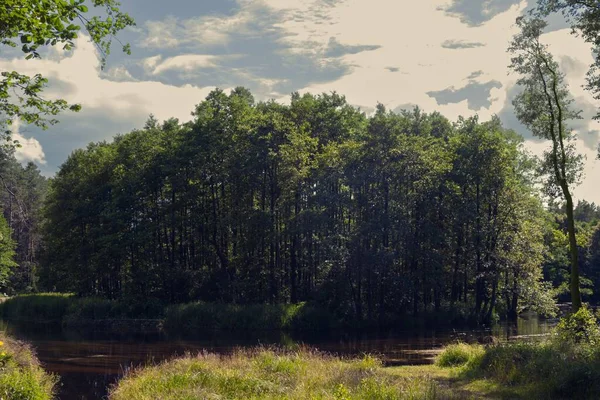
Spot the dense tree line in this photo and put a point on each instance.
(22, 192)
(315, 201)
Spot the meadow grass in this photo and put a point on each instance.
(273, 374)
(459, 354)
(21, 377)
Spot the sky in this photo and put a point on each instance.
(442, 55)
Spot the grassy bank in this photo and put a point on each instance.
(72, 311)
(21, 377)
(267, 374)
(191, 318)
(564, 366)
(544, 370)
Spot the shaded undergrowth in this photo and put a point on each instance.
(192, 318)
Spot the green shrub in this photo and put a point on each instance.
(580, 327)
(42, 307)
(459, 354)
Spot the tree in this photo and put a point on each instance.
(7, 252)
(584, 16)
(544, 108)
(35, 24)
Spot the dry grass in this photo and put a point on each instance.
(273, 374)
(21, 377)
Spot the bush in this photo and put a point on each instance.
(459, 354)
(580, 327)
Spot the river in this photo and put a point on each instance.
(89, 363)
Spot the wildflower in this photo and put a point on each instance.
(1, 343)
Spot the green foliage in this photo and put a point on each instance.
(268, 374)
(36, 307)
(459, 354)
(544, 107)
(369, 218)
(583, 17)
(21, 377)
(21, 202)
(579, 327)
(7, 253)
(35, 24)
(90, 308)
(177, 319)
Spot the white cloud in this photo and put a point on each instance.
(29, 148)
(416, 49)
(119, 73)
(80, 73)
(150, 63)
(185, 62)
(203, 30)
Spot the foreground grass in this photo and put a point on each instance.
(551, 369)
(520, 370)
(21, 377)
(268, 374)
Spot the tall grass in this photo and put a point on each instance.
(268, 374)
(459, 354)
(43, 307)
(565, 366)
(21, 377)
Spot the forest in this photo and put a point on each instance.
(251, 202)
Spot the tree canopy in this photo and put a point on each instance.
(373, 217)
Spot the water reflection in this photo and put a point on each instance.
(89, 362)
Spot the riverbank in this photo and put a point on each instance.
(21, 376)
(269, 374)
(151, 316)
(565, 365)
(503, 371)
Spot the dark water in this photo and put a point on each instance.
(89, 363)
